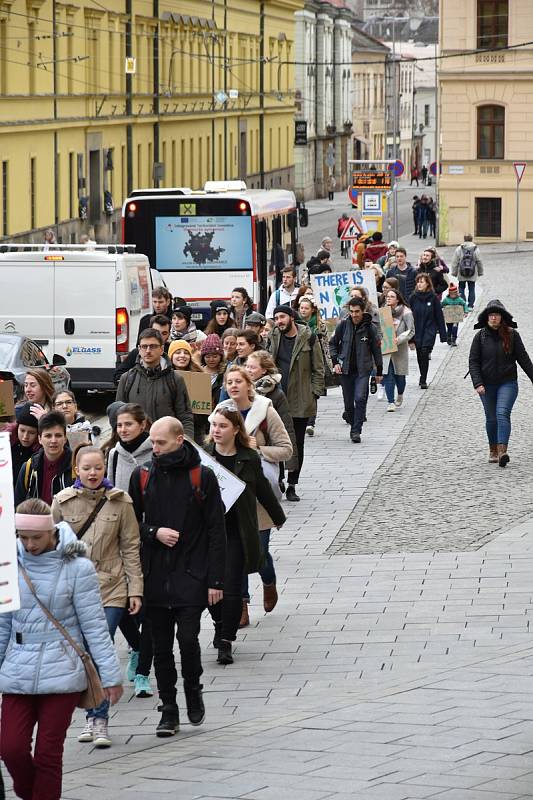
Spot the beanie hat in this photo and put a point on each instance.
(255, 318)
(219, 305)
(284, 310)
(180, 344)
(112, 412)
(25, 418)
(185, 312)
(212, 344)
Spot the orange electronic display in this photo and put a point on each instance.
(372, 179)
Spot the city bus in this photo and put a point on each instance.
(205, 243)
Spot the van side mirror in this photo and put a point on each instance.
(58, 361)
(303, 216)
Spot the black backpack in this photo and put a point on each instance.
(467, 264)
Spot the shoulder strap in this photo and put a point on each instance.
(27, 474)
(91, 518)
(129, 382)
(195, 477)
(82, 654)
(278, 296)
(114, 467)
(144, 477)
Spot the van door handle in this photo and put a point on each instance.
(69, 326)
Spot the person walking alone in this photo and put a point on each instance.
(467, 266)
(495, 351)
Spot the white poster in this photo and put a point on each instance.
(9, 585)
(332, 291)
(231, 487)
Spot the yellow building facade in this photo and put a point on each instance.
(486, 119)
(208, 96)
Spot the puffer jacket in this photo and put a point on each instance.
(121, 463)
(270, 386)
(161, 392)
(34, 656)
(112, 541)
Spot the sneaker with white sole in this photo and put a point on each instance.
(391, 407)
(87, 733)
(381, 391)
(310, 430)
(101, 736)
(398, 401)
(131, 670)
(142, 686)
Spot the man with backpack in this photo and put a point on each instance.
(155, 385)
(285, 294)
(178, 505)
(467, 266)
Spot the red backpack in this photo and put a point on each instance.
(195, 477)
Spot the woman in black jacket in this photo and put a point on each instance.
(244, 554)
(429, 320)
(494, 354)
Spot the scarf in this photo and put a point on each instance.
(106, 484)
(131, 447)
(398, 311)
(188, 336)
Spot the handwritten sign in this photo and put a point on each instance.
(7, 405)
(388, 345)
(332, 291)
(231, 487)
(453, 314)
(9, 584)
(199, 390)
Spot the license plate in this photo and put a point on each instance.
(197, 316)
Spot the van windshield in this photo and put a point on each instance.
(6, 353)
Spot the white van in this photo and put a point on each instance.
(83, 303)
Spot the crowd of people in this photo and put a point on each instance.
(130, 531)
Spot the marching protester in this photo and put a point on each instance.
(495, 351)
(467, 266)
(376, 248)
(65, 402)
(396, 365)
(182, 357)
(50, 469)
(229, 343)
(429, 320)
(404, 271)
(241, 305)
(42, 678)
(221, 318)
(161, 305)
(184, 329)
(102, 517)
(389, 259)
(181, 515)
(298, 355)
(453, 299)
(432, 266)
(285, 294)
(231, 446)
(38, 391)
(159, 322)
(153, 383)
(309, 314)
(355, 348)
(268, 435)
(214, 364)
(256, 322)
(24, 438)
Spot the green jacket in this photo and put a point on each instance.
(306, 374)
(248, 469)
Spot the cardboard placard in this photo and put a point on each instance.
(453, 314)
(231, 487)
(7, 403)
(9, 582)
(388, 331)
(75, 438)
(199, 390)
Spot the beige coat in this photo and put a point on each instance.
(112, 541)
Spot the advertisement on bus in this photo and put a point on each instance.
(203, 243)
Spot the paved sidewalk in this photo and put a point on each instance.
(391, 672)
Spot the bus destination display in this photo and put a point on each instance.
(194, 243)
(372, 179)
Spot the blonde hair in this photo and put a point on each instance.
(244, 374)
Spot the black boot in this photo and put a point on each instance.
(170, 720)
(355, 435)
(195, 704)
(224, 653)
(291, 495)
(216, 637)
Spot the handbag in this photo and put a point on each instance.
(94, 694)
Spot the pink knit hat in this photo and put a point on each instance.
(212, 344)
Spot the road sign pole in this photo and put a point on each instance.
(517, 214)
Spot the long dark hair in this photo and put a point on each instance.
(506, 335)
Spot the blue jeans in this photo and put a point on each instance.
(452, 329)
(355, 393)
(471, 291)
(498, 402)
(392, 380)
(268, 573)
(113, 616)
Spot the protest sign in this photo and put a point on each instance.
(453, 314)
(75, 438)
(199, 390)
(7, 404)
(9, 584)
(231, 487)
(332, 291)
(388, 332)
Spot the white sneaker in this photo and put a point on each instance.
(381, 391)
(100, 735)
(391, 407)
(87, 733)
(398, 401)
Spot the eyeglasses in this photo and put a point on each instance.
(149, 346)
(64, 403)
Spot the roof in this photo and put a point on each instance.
(363, 41)
(263, 202)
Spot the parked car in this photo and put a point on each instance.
(18, 354)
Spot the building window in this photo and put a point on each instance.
(5, 199)
(489, 216)
(33, 193)
(490, 131)
(492, 23)
(426, 116)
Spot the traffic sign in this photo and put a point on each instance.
(519, 168)
(397, 167)
(433, 168)
(351, 230)
(352, 194)
(372, 203)
(372, 179)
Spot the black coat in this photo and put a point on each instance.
(145, 321)
(181, 575)
(30, 482)
(490, 364)
(248, 469)
(19, 456)
(438, 280)
(368, 348)
(428, 318)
